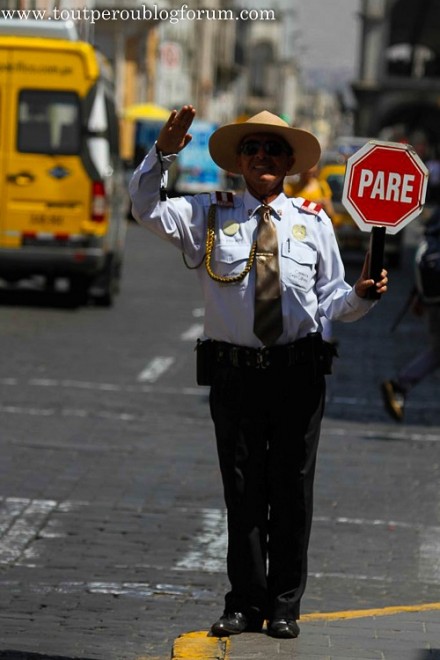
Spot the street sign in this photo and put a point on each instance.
(384, 189)
(171, 55)
(385, 185)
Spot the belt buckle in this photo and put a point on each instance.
(235, 361)
(262, 358)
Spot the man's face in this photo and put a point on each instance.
(262, 165)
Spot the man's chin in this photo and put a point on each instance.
(265, 179)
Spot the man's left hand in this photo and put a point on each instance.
(364, 283)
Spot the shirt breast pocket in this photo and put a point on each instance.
(230, 258)
(298, 265)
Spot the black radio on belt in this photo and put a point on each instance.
(205, 361)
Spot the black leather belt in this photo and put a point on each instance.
(310, 350)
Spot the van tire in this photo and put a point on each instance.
(106, 287)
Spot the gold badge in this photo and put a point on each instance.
(299, 232)
(230, 227)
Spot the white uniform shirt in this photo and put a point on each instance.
(311, 269)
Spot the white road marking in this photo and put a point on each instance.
(70, 412)
(20, 521)
(429, 557)
(364, 522)
(24, 519)
(194, 332)
(350, 576)
(10, 509)
(154, 369)
(209, 553)
(382, 431)
(405, 435)
(21, 410)
(128, 589)
(90, 413)
(75, 384)
(105, 387)
(198, 312)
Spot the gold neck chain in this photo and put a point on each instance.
(209, 248)
(210, 240)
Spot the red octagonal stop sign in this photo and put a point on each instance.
(385, 185)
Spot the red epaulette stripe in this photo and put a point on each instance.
(313, 207)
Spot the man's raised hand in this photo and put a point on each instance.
(174, 135)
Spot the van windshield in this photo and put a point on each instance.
(48, 122)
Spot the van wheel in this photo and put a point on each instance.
(107, 297)
(107, 286)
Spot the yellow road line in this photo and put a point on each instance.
(198, 646)
(357, 614)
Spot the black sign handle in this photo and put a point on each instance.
(377, 246)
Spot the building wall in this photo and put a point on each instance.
(224, 67)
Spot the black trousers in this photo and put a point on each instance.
(267, 424)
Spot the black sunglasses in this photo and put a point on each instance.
(270, 147)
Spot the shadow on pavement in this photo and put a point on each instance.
(38, 298)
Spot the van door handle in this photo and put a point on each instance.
(21, 178)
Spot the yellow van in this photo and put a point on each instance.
(61, 185)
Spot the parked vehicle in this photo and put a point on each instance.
(62, 190)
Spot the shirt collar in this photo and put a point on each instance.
(252, 204)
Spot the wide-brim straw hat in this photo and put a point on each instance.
(224, 142)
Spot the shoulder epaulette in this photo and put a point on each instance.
(221, 198)
(311, 207)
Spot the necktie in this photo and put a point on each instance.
(268, 319)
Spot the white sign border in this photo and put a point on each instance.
(359, 155)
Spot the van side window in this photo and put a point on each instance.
(49, 122)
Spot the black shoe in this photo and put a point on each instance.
(232, 623)
(283, 628)
(394, 399)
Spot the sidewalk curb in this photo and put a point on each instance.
(199, 646)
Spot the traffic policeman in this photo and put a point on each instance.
(270, 269)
